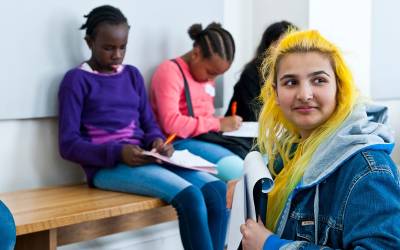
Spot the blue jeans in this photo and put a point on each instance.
(198, 197)
(229, 165)
(7, 228)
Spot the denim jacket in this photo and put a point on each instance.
(349, 196)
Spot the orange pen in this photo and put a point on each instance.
(170, 139)
(234, 108)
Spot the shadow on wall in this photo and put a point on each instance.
(51, 168)
(29, 156)
(73, 52)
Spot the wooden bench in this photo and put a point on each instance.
(50, 217)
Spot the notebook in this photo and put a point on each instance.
(248, 129)
(185, 159)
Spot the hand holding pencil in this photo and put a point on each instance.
(231, 123)
(164, 148)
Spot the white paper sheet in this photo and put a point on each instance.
(243, 201)
(185, 159)
(248, 129)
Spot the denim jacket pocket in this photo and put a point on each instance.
(305, 230)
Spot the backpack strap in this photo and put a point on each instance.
(187, 90)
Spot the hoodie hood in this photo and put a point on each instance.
(366, 127)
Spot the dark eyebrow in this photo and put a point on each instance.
(319, 73)
(287, 76)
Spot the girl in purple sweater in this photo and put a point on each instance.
(105, 122)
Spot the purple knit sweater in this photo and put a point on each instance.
(98, 113)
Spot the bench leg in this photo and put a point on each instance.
(46, 240)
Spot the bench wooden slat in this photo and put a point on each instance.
(48, 208)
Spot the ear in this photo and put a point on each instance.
(89, 41)
(196, 54)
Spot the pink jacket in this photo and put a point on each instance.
(169, 103)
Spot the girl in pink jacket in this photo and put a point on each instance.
(190, 116)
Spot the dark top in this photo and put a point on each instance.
(246, 91)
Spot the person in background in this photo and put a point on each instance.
(106, 122)
(248, 88)
(336, 186)
(182, 97)
(7, 228)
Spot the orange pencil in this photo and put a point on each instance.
(234, 108)
(170, 139)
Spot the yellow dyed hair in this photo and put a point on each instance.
(277, 136)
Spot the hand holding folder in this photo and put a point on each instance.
(256, 175)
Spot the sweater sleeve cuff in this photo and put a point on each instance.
(216, 125)
(274, 242)
(149, 139)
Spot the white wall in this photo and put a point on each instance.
(237, 20)
(48, 42)
(29, 156)
(351, 33)
(28, 148)
(266, 12)
(385, 40)
(385, 85)
(385, 54)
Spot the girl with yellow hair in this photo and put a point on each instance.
(329, 152)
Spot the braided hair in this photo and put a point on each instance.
(102, 14)
(213, 40)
